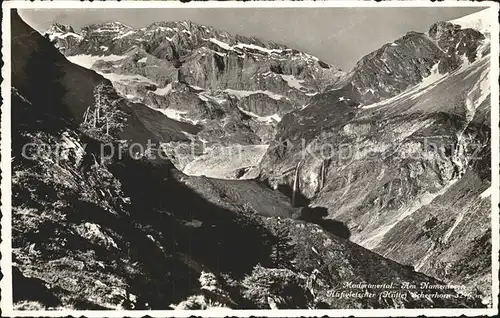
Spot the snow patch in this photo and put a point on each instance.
(196, 87)
(143, 60)
(126, 78)
(189, 135)
(163, 91)
(128, 33)
(480, 21)
(265, 119)
(428, 82)
(448, 233)
(292, 81)
(369, 90)
(220, 54)
(486, 193)
(223, 45)
(206, 98)
(310, 56)
(258, 48)
(432, 77)
(483, 87)
(175, 114)
(59, 35)
(161, 28)
(107, 29)
(240, 46)
(426, 257)
(87, 61)
(242, 93)
(203, 97)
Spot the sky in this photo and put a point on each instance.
(339, 36)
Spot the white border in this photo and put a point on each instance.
(237, 4)
(6, 261)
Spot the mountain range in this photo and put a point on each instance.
(268, 211)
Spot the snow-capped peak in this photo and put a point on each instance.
(61, 31)
(120, 24)
(480, 21)
(60, 28)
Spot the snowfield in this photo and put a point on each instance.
(164, 91)
(87, 61)
(242, 93)
(480, 21)
(436, 81)
(224, 162)
(293, 81)
(113, 77)
(265, 119)
(223, 45)
(175, 114)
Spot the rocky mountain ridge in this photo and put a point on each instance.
(407, 61)
(206, 57)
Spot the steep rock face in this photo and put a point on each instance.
(395, 67)
(263, 105)
(395, 171)
(201, 75)
(448, 238)
(405, 62)
(206, 57)
(120, 234)
(452, 39)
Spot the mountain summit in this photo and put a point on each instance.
(399, 65)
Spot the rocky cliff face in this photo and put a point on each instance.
(407, 174)
(201, 75)
(201, 56)
(399, 65)
(118, 234)
(207, 57)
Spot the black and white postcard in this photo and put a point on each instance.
(258, 158)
